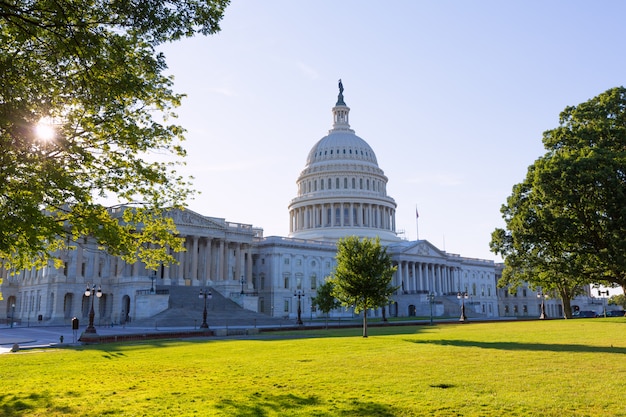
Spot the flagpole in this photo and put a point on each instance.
(417, 226)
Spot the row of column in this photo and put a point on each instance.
(205, 259)
(428, 277)
(342, 215)
(212, 259)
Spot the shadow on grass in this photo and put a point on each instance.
(260, 405)
(545, 347)
(27, 404)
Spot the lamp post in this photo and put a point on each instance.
(12, 313)
(462, 296)
(299, 294)
(243, 281)
(91, 292)
(543, 296)
(600, 294)
(206, 294)
(431, 300)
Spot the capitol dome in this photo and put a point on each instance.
(342, 191)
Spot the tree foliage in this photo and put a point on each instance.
(362, 276)
(618, 300)
(90, 70)
(325, 300)
(566, 222)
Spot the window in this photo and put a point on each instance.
(345, 183)
(286, 261)
(286, 282)
(298, 262)
(286, 305)
(337, 183)
(313, 281)
(330, 184)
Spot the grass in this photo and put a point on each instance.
(536, 368)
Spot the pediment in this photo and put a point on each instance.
(421, 248)
(191, 218)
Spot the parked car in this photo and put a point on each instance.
(584, 314)
(615, 313)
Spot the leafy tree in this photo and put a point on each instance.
(324, 300)
(618, 300)
(566, 223)
(362, 276)
(88, 74)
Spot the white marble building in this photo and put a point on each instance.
(340, 192)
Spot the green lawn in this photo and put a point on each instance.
(538, 368)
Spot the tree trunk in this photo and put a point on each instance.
(567, 304)
(365, 323)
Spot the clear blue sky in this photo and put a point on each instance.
(453, 96)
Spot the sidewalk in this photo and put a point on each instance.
(43, 336)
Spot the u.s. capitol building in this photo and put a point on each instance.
(340, 192)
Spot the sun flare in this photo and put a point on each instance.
(45, 129)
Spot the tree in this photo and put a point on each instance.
(85, 126)
(362, 276)
(324, 300)
(618, 300)
(566, 223)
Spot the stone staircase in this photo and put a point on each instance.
(186, 310)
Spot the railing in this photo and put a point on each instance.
(149, 292)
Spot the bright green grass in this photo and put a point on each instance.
(538, 368)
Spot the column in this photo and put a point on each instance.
(220, 262)
(208, 273)
(405, 285)
(96, 264)
(248, 255)
(238, 256)
(194, 258)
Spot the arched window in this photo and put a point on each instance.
(353, 183)
(337, 183)
(345, 183)
(330, 184)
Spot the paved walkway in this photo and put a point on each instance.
(43, 336)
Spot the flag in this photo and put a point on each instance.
(417, 216)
